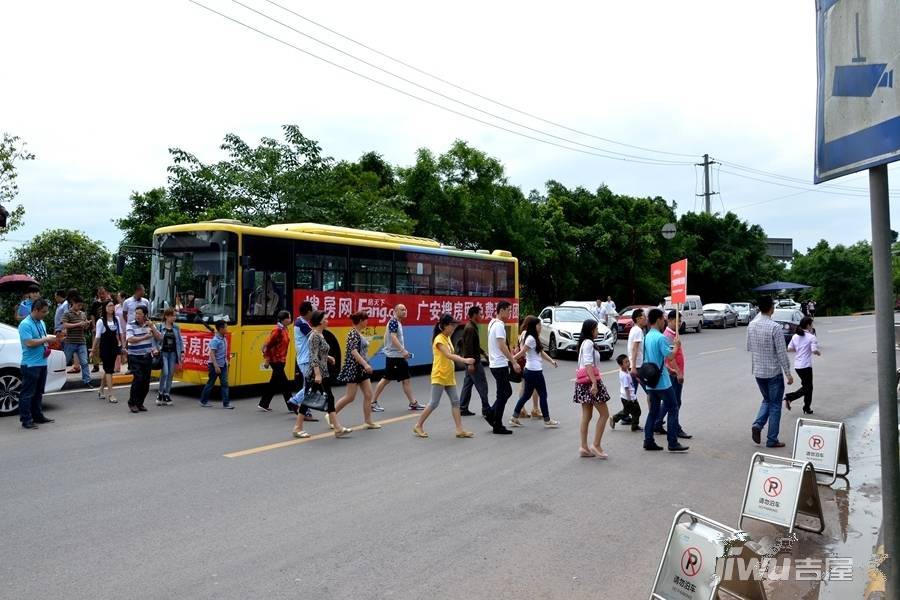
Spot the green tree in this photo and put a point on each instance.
(726, 256)
(63, 259)
(12, 150)
(841, 276)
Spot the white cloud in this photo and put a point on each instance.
(102, 90)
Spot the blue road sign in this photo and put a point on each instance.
(858, 105)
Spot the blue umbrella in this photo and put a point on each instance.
(781, 285)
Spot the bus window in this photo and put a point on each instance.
(449, 276)
(269, 292)
(479, 278)
(371, 270)
(413, 273)
(504, 279)
(321, 267)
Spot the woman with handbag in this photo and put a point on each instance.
(533, 352)
(357, 371)
(109, 344)
(520, 360)
(317, 394)
(590, 391)
(443, 376)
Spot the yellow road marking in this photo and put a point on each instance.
(715, 351)
(318, 436)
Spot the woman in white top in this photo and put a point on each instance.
(590, 391)
(805, 344)
(533, 376)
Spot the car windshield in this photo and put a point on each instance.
(714, 307)
(740, 305)
(787, 315)
(195, 273)
(572, 314)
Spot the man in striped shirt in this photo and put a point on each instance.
(765, 342)
(142, 340)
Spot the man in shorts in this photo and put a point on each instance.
(396, 365)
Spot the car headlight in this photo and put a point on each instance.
(607, 336)
(565, 334)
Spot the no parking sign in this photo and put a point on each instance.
(688, 568)
(778, 489)
(824, 444)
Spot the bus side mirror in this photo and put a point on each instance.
(120, 264)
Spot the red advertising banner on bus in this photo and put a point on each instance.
(421, 310)
(196, 349)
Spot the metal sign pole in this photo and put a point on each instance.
(887, 368)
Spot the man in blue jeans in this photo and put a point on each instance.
(34, 339)
(765, 342)
(656, 350)
(75, 323)
(218, 367)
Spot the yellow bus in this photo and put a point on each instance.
(245, 275)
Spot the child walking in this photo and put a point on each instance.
(631, 409)
(443, 378)
(805, 344)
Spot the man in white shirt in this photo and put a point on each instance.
(500, 358)
(636, 340)
(601, 310)
(132, 303)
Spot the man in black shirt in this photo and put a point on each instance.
(471, 348)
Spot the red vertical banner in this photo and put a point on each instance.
(678, 280)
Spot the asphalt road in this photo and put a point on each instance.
(106, 504)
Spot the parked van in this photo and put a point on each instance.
(691, 313)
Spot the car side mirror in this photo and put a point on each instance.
(545, 321)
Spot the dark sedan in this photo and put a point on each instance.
(624, 319)
(789, 319)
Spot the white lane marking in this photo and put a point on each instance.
(715, 351)
(850, 329)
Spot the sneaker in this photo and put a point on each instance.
(263, 408)
(466, 413)
(228, 406)
(551, 424)
(754, 433)
(205, 404)
(653, 447)
(89, 385)
(416, 406)
(775, 445)
(514, 422)
(680, 448)
(159, 401)
(377, 407)
(168, 400)
(501, 430)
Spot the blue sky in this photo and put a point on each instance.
(101, 91)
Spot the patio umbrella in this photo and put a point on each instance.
(777, 286)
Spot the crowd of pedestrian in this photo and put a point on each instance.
(114, 329)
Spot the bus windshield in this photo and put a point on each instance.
(195, 273)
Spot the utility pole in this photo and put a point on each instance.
(706, 191)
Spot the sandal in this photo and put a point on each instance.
(536, 413)
(372, 426)
(338, 433)
(585, 453)
(112, 399)
(301, 434)
(328, 420)
(465, 434)
(419, 432)
(596, 452)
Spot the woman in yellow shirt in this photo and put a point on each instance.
(443, 378)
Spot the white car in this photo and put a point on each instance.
(11, 371)
(561, 331)
(611, 316)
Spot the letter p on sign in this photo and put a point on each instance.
(678, 277)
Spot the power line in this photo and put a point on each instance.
(774, 199)
(791, 179)
(605, 154)
(450, 98)
(471, 92)
(796, 187)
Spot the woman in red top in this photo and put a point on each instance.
(275, 355)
